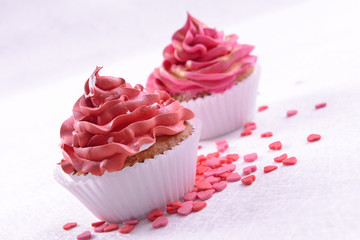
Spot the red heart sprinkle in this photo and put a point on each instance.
(290, 161)
(154, 214)
(262, 108)
(127, 229)
(100, 228)
(131, 222)
(250, 125)
(275, 145)
(313, 137)
(160, 222)
(69, 225)
(268, 169)
(280, 158)
(233, 157)
(111, 227)
(248, 180)
(267, 134)
(175, 204)
(96, 224)
(205, 185)
(246, 132)
(198, 206)
(320, 105)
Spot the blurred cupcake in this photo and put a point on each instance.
(127, 150)
(211, 74)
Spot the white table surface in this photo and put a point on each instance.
(309, 52)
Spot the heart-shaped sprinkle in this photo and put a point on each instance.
(230, 167)
(313, 137)
(291, 113)
(266, 134)
(191, 196)
(290, 161)
(205, 185)
(212, 179)
(96, 224)
(69, 225)
(268, 169)
(198, 206)
(174, 204)
(220, 186)
(250, 157)
(160, 222)
(205, 195)
(111, 227)
(154, 214)
(249, 169)
(246, 132)
(250, 125)
(280, 158)
(320, 105)
(275, 145)
(127, 229)
(233, 157)
(262, 108)
(84, 236)
(233, 177)
(100, 228)
(185, 210)
(131, 222)
(221, 170)
(248, 180)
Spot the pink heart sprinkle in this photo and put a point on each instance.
(160, 222)
(230, 167)
(212, 179)
(250, 157)
(204, 186)
(100, 228)
(275, 145)
(131, 222)
(249, 169)
(191, 196)
(84, 236)
(221, 170)
(220, 186)
(291, 113)
(204, 195)
(185, 210)
(233, 177)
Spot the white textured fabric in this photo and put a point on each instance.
(309, 53)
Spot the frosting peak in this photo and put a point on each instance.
(111, 121)
(201, 59)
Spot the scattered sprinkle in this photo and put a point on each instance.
(275, 145)
(131, 222)
(84, 236)
(250, 125)
(249, 169)
(266, 134)
(100, 228)
(248, 180)
(199, 147)
(220, 186)
(96, 224)
(198, 206)
(185, 210)
(191, 196)
(154, 214)
(262, 108)
(280, 158)
(233, 177)
(250, 157)
(268, 169)
(160, 222)
(246, 132)
(320, 105)
(111, 227)
(233, 157)
(290, 161)
(291, 113)
(313, 137)
(205, 195)
(69, 225)
(126, 229)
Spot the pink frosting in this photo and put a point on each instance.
(201, 59)
(112, 120)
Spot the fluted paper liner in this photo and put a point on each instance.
(134, 191)
(221, 113)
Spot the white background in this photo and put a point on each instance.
(309, 52)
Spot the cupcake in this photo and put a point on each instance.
(211, 74)
(127, 150)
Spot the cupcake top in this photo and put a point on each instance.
(201, 59)
(112, 120)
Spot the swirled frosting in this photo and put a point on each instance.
(112, 120)
(201, 59)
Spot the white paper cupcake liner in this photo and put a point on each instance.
(134, 191)
(221, 113)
